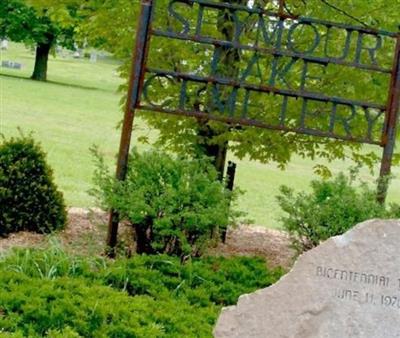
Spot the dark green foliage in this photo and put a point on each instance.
(29, 199)
(203, 281)
(332, 208)
(177, 206)
(33, 307)
(49, 293)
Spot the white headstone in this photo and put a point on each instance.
(4, 44)
(348, 287)
(11, 64)
(93, 57)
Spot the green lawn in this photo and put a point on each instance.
(79, 107)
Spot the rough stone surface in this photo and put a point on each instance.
(349, 286)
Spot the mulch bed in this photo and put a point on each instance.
(86, 232)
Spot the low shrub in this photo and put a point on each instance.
(144, 296)
(177, 206)
(70, 307)
(330, 209)
(216, 280)
(29, 199)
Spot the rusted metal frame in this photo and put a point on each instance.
(273, 51)
(266, 89)
(134, 92)
(360, 29)
(255, 123)
(390, 133)
(253, 10)
(230, 174)
(230, 182)
(256, 10)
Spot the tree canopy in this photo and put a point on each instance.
(183, 134)
(41, 24)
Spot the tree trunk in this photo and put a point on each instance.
(217, 152)
(41, 60)
(143, 238)
(228, 67)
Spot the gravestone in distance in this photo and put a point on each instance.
(348, 287)
(4, 44)
(93, 57)
(11, 64)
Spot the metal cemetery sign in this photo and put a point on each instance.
(248, 66)
(275, 49)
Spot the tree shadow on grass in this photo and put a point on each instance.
(70, 85)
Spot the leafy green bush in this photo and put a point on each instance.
(29, 199)
(332, 208)
(144, 296)
(177, 206)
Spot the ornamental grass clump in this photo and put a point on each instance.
(29, 199)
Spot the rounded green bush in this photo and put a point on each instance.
(29, 199)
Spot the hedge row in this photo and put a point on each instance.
(48, 293)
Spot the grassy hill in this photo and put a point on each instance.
(79, 107)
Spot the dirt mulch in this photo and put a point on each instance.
(252, 240)
(86, 232)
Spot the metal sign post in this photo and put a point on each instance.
(273, 84)
(134, 92)
(390, 134)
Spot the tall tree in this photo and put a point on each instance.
(41, 25)
(113, 27)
